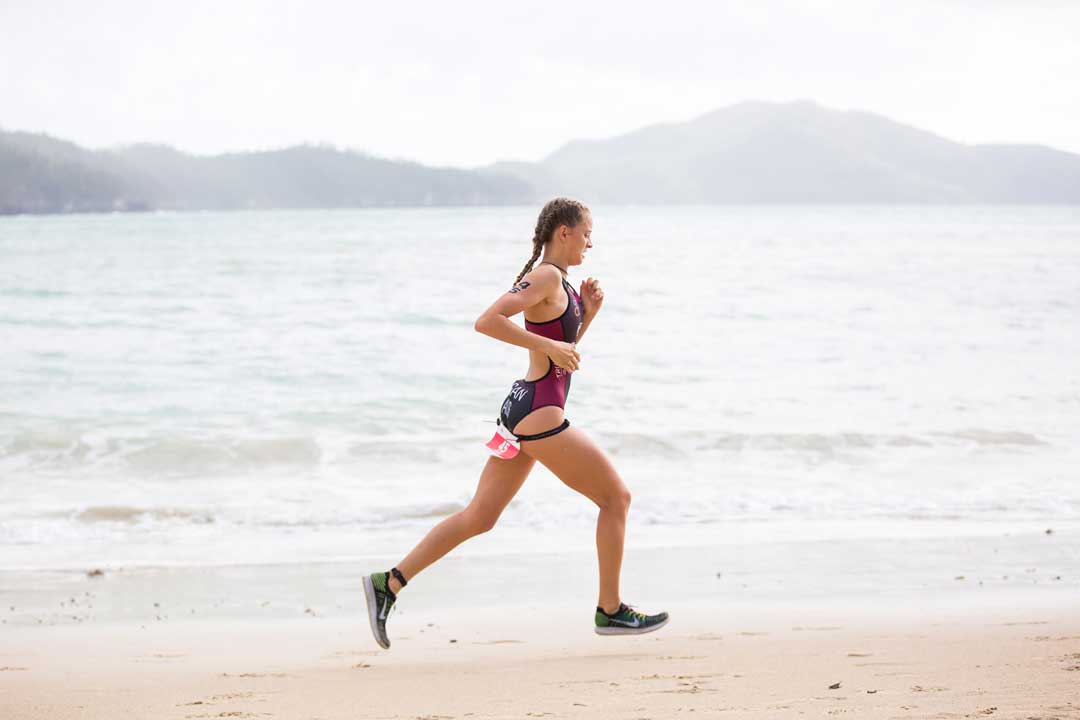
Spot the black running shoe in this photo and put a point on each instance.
(628, 621)
(380, 600)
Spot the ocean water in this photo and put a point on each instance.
(250, 387)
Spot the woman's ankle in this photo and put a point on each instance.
(609, 608)
(396, 580)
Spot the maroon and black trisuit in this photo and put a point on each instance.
(553, 388)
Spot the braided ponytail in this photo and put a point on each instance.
(538, 245)
(560, 211)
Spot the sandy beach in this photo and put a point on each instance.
(778, 662)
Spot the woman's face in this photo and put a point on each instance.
(579, 239)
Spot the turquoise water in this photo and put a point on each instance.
(244, 387)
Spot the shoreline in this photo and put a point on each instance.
(481, 573)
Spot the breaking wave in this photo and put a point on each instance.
(69, 450)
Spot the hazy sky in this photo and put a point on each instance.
(466, 83)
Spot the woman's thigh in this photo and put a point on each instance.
(499, 482)
(576, 460)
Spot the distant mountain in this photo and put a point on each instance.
(800, 152)
(40, 174)
(753, 152)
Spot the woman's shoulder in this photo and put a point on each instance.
(545, 276)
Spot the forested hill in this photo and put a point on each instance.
(800, 153)
(40, 174)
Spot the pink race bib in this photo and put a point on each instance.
(503, 444)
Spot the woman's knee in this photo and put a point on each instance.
(618, 500)
(478, 520)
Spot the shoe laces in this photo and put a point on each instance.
(635, 612)
(393, 606)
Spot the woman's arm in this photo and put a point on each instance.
(585, 322)
(592, 297)
(533, 289)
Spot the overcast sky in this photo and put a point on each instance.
(467, 83)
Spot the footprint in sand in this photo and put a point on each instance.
(350, 653)
(233, 696)
(1050, 638)
(223, 696)
(658, 676)
(692, 690)
(8, 668)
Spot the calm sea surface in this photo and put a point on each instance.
(296, 386)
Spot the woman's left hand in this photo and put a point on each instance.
(592, 297)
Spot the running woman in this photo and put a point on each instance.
(532, 426)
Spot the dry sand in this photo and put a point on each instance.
(888, 662)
